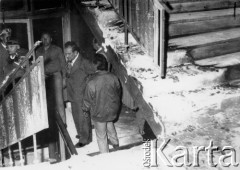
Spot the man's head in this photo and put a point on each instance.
(100, 62)
(12, 46)
(71, 50)
(46, 39)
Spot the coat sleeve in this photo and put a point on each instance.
(88, 98)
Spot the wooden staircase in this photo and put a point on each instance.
(206, 29)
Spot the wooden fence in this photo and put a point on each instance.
(23, 110)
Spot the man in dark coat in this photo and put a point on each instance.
(54, 67)
(78, 68)
(16, 56)
(102, 100)
(4, 36)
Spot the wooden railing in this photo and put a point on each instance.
(145, 20)
(23, 110)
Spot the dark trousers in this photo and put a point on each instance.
(82, 123)
(54, 103)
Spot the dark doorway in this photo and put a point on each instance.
(50, 25)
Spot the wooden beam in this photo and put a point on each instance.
(156, 36)
(132, 86)
(162, 47)
(125, 23)
(66, 27)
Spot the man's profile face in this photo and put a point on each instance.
(69, 54)
(46, 40)
(12, 49)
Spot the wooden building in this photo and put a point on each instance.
(203, 28)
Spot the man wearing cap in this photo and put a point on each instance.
(4, 36)
(16, 55)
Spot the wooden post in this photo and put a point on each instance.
(125, 24)
(162, 42)
(2, 159)
(32, 6)
(130, 14)
(156, 36)
(30, 37)
(20, 153)
(35, 160)
(10, 156)
(66, 27)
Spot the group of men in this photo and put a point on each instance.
(94, 92)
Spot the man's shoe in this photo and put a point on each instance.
(115, 146)
(79, 145)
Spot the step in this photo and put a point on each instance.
(207, 45)
(215, 49)
(200, 22)
(220, 61)
(204, 38)
(199, 5)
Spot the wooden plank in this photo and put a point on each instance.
(201, 5)
(203, 15)
(221, 61)
(215, 49)
(145, 110)
(200, 39)
(65, 135)
(126, 21)
(196, 27)
(162, 43)
(156, 36)
(138, 19)
(66, 27)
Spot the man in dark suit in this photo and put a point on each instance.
(78, 68)
(4, 36)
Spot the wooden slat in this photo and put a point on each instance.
(196, 27)
(126, 21)
(201, 39)
(188, 6)
(215, 49)
(221, 61)
(203, 15)
(162, 43)
(156, 36)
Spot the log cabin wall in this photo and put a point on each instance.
(185, 18)
(140, 19)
